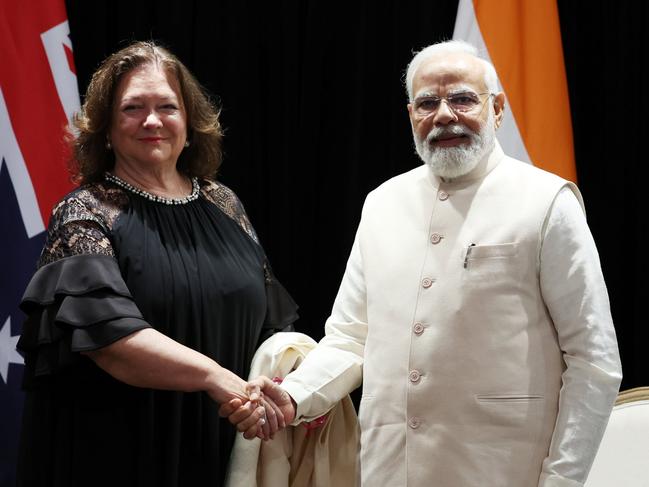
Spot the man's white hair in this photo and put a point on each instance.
(491, 79)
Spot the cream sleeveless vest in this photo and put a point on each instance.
(462, 367)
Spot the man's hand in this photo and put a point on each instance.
(271, 390)
(278, 404)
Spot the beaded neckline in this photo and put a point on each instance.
(152, 197)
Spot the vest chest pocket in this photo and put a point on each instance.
(486, 263)
(505, 398)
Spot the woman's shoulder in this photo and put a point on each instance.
(81, 223)
(228, 202)
(98, 201)
(216, 190)
(222, 196)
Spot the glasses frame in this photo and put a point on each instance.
(454, 110)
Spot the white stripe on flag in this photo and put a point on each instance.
(65, 80)
(22, 183)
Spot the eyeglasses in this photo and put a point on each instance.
(464, 102)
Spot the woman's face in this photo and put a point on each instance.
(148, 127)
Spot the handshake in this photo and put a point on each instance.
(269, 408)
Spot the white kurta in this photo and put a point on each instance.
(477, 314)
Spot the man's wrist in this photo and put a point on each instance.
(300, 399)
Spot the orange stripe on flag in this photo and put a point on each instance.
(524, 42)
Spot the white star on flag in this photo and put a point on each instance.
(8, 353)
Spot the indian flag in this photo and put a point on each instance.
(523, 41)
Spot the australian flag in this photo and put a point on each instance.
(38, 96)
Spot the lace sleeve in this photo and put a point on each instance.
(225, 199)
(80, 225)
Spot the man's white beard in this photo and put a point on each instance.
(453, 162)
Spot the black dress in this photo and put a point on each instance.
(114, 263)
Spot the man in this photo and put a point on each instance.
(473, 305)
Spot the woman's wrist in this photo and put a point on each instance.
(223, 385)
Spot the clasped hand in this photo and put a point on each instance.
(268, 409)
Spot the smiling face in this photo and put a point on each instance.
(148, 125)
(453, 142)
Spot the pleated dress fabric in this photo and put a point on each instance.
(114, 263)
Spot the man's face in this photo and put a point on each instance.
(452, 137)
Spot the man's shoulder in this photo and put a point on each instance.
(398, 193)
(522, 169)
(400, 182)
(527, 179)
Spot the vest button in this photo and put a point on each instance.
(418, 328)
(442, 195)
(414, 422)
(435, 238)
(426, 282)
(414, 376)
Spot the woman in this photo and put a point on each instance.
(151, 295)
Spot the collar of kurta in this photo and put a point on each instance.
(484, 167)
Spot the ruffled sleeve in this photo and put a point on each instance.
(74, 304)
(77, 300)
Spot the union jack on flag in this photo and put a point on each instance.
(38, 96)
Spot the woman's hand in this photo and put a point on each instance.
(246, 417)
(225, 387)
(278, 404)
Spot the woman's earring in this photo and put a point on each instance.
(108, 146)
(186, 143)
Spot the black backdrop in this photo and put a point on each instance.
(313, 103)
